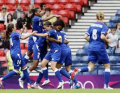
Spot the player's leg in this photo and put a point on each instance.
(92, 58)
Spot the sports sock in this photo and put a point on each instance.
(57, 73)
(39, 77)
(64, 73)
(45, 73)
(10, 74)
(106, 77)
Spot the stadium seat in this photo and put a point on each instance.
(2, 53)
(26, 2)
(63, 1)
(81, 52)
(111, 25)
(57, 7)
(51, 1)
(117, 52)
(39, 1)
(79, 8)
(77, 2)
(37, 5)
(84, 59)
(75, 59)
(118, 13)
(22, 45)
(26, 46)
(23, 7)
(70, 6)
(85, 46)
(64, 13)
(65, 19)
(108, 52)
(114, 19)
(54, 11)
(2, 26)
(113, 59)
(11, 2)
(114, 72)
(29, 30)
(2, 2)
(72, 14)
(10, 7)
(3, 59)
(85, 2)
(11, 12)
(101, 71)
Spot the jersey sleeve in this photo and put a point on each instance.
(104, 30)
(88, 31)
(51, 32)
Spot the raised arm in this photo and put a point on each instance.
(25, 37)
(52, 39)
(47, 18)
(41, 35)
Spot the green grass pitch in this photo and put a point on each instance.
(59, 91)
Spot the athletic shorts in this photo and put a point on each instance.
(38, 52)
(53, 55)
(98, 56)
(17, 60)
(31, 41)
(66, 57)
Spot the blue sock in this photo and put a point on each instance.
(26, 75)
(10, 74)
(57, 73)
(64, 73)
(45, 73)
(75, 80)
(84, 69)
(39, 77)
(25, 58)
(107, 77)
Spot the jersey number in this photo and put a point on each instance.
(94, 34)
(11, 43)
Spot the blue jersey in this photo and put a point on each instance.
(95, 31)
(41, 42)
(37, 24)
(62, 36)
(15, 43)
(53, 33)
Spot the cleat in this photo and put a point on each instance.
(46, 82)
(77, 86)
(21, 82)
(30, 86)
(36, 86)
(74, 73)
(1, 84)
(107, 88)
(60, 85)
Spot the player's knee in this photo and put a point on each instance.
(53, 67)
(42, 65)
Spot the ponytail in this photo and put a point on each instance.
(100, 16)
(9, 30)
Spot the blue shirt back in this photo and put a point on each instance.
(53, 33)
(37, 24)
(15, 43)
(62, 36)
(41, 42)
(95, 31)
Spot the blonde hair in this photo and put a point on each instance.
(4, 13)
(100, 16)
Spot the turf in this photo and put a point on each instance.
(59, 91)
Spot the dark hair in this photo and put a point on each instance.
(9, 30)
(23, 13)
(48, 23)
(11, 17)
(42, 4)
(18, 5)
(59, 22)
(34, 11)
(48, 9)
